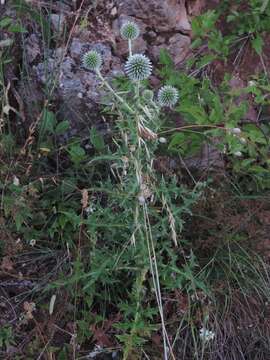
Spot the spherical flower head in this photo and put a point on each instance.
(129, 30)
(168, 96)
(92, 60)
(238, 153)
(138, 67)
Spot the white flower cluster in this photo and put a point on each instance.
(138, 67)
(237, 133)
(206, 335)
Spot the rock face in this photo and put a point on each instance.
(78, 89)
(160, 15)
(177, 46)
(163, 24)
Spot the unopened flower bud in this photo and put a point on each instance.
(243, 140)
(141, 199)
(238, 153)
(162, 140)
(236, 131)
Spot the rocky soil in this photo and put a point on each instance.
(163, 23)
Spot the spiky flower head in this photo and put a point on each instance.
(129, 30)
(92, 60)
(168, 96)
(148, 95)
(138, 67)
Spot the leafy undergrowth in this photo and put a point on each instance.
(151, 240)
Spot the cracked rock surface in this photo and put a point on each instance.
(160, 15)
(163, 24)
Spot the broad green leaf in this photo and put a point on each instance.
(165, 58)
(17, 28)
(62, 127)
(48, 122)
(196, 43)
(5, 22)
(255, 134)
(257, 44)
(196, 112)
(96, 139)
(77, 153)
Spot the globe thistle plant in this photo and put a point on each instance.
(130, 30)
(138, 123)
(168, 96)
(92, 60)
(138, 67)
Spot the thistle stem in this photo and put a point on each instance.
(129, 47)
(119, 98)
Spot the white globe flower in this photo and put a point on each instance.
(129, 30)
(92, 60)
(168, 96)
(138, 67)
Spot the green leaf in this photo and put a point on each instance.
(206, 59)
(259, 170)
(96, 139)
(264, 6)
(255, 134)
(18, 221)
(196, 43)
(68, 186)
(76, 153)
(188, 144)
(17, 28)
(47, 123)
(165, 58)
(196, 27)
(5, 22)
(209, 19)
(196, 112)
(257, 44)
(62, 127)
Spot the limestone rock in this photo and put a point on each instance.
(32, 48)
(178, 48)
(79, 47)
(160, 15)
(163, 24)
(58, 22)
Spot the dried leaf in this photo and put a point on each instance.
(85, 198)
(7, 264)
(52, 302)
(29, 308)
(147, 133)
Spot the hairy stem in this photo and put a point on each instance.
(119, 98)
